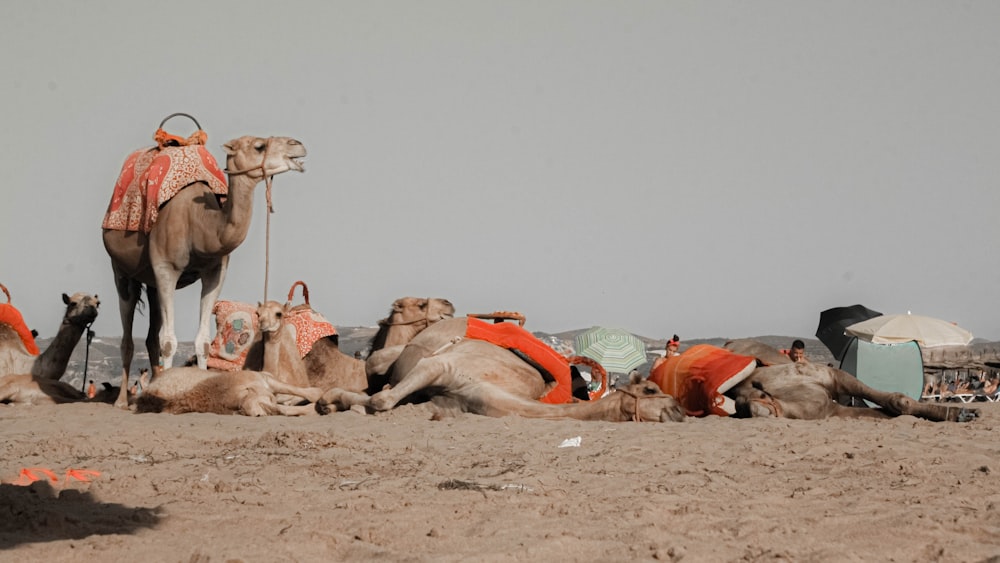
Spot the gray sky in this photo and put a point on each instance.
(720, 168)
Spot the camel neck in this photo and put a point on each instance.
(237, 211)
(53, 361)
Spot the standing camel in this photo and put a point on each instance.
(191, 239)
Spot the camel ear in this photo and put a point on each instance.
(65, 299)
(230, 147)
(635, 377)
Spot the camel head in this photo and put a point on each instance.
(271, 314)
(409, 316)
(643, 401)
(257, 157)
(81, 309)
(409, 310)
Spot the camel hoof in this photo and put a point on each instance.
(323, 407)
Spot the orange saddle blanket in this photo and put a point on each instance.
(9, 315)
(150, 177)
(699, 377)
(530, 349)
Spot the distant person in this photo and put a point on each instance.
(91, 389)
(673, 345)
(797, 353)
(671, 350)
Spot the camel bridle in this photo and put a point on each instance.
(425, 319)
(636, 417)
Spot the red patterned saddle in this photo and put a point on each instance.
(151, 176)
(237, 327)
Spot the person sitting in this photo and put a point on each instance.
(672, 345)
(797, 353)
(671, 350)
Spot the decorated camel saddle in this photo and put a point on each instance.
(237, 328)
(153, 175)
(552, 365)
(11, 317)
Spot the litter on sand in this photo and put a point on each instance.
(571, 442)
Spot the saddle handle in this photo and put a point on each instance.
(305, 291)
(596, 371)
(5, 292)
(179, 114)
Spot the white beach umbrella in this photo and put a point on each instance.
(928, 332)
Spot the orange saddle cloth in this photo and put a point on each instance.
(9, 315)
(699, 377)
(150, 177)
(530, 349)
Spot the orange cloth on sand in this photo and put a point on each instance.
(699, 377)
(526, 345)
(9, 315)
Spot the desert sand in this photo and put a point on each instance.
(410, 486)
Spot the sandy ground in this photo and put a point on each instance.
(402, 486)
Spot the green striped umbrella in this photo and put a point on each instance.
(616, 349)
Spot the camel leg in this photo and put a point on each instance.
(379, 361)
(211, 287)
(427, 372)
(899, 404)
(8, 389)
(128, 297)
(300, 410)
(166, 285)
(153, 335)
(342, 399)
(311, 394)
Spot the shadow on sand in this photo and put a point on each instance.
(40, 513)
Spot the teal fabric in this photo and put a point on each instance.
(886, 367)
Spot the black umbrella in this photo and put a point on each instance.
(832, 323)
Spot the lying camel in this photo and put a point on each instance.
(408, 316)
(811, 391)
(475, 376)
(251, 393)
(26, 389)
(324, 366)
(34, 379)
(81, 311)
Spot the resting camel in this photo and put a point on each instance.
(25, 389)
(811, 391)
(324, 366)
(81, 310)
(252, 393)
(192, 239)
(475, 376)
(408, 316)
